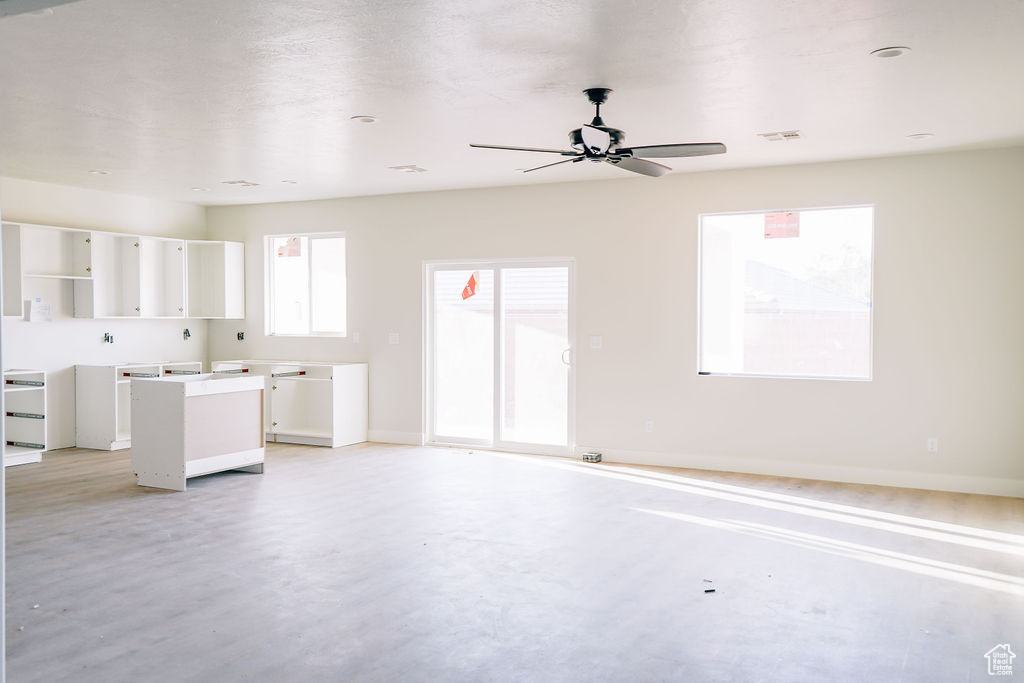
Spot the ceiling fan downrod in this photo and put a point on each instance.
(597, 97)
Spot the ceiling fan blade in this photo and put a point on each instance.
(641, 166)
(595, 139)
(565, 161)
(695, 149)
(564, 152)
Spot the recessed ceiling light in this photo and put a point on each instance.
(921, 136)
(290, 182)
(888, 52)
(200, 189)
(363, 118)
(97, 171)
(239, 183)
(780, 135)
(410, 168)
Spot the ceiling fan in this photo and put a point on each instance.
(598, 142)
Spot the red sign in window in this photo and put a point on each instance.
(470, 288)
(785, 224)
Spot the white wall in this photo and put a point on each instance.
(948, 326)
(57, 346)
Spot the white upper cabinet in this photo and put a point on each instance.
(126, 276)
(41, 251)
(133, 277)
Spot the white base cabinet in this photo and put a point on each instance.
(312, 403)
(187, 426)
(25, 416)
(103, 408)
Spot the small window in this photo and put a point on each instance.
(306, 291)
(787, 294)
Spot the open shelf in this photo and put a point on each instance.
(19, 450)
(58, 277)
(310, 432)
(48, 251)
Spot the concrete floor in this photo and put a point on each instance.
(391, 563)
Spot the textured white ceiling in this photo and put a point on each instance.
(169, 95)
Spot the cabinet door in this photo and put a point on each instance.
(215, 279)
(113, 290)
(162, 277)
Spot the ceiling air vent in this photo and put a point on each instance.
(410, 168)
(240, 183)
(782, 135)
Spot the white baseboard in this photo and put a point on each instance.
(992, 486)
(389, 436)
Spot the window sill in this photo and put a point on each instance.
(310, 335)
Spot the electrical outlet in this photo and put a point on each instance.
(355, 337)
(933, 444)
(649, 426)
(596, 341)
(392, 337)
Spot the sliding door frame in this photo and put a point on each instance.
(430, 437)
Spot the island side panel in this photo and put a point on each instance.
(158, 437)
(223, 431)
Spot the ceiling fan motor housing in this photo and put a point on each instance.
(617, 138)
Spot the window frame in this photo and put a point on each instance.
(700, 294)
(270, 274)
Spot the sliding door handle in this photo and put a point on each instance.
(567, 363)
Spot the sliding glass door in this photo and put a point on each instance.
(499, 355)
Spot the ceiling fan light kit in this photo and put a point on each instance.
(599, 143)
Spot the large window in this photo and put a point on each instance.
(306, 284)
(787, 293)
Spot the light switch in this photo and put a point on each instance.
(392, 337)
(355, 337)
(596, 341)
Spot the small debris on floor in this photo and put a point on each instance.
(21, 628)
(709, 589)
(35, 606)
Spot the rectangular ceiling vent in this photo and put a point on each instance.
(782, 135)
(240, 183)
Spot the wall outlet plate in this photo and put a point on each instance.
(392, 337)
